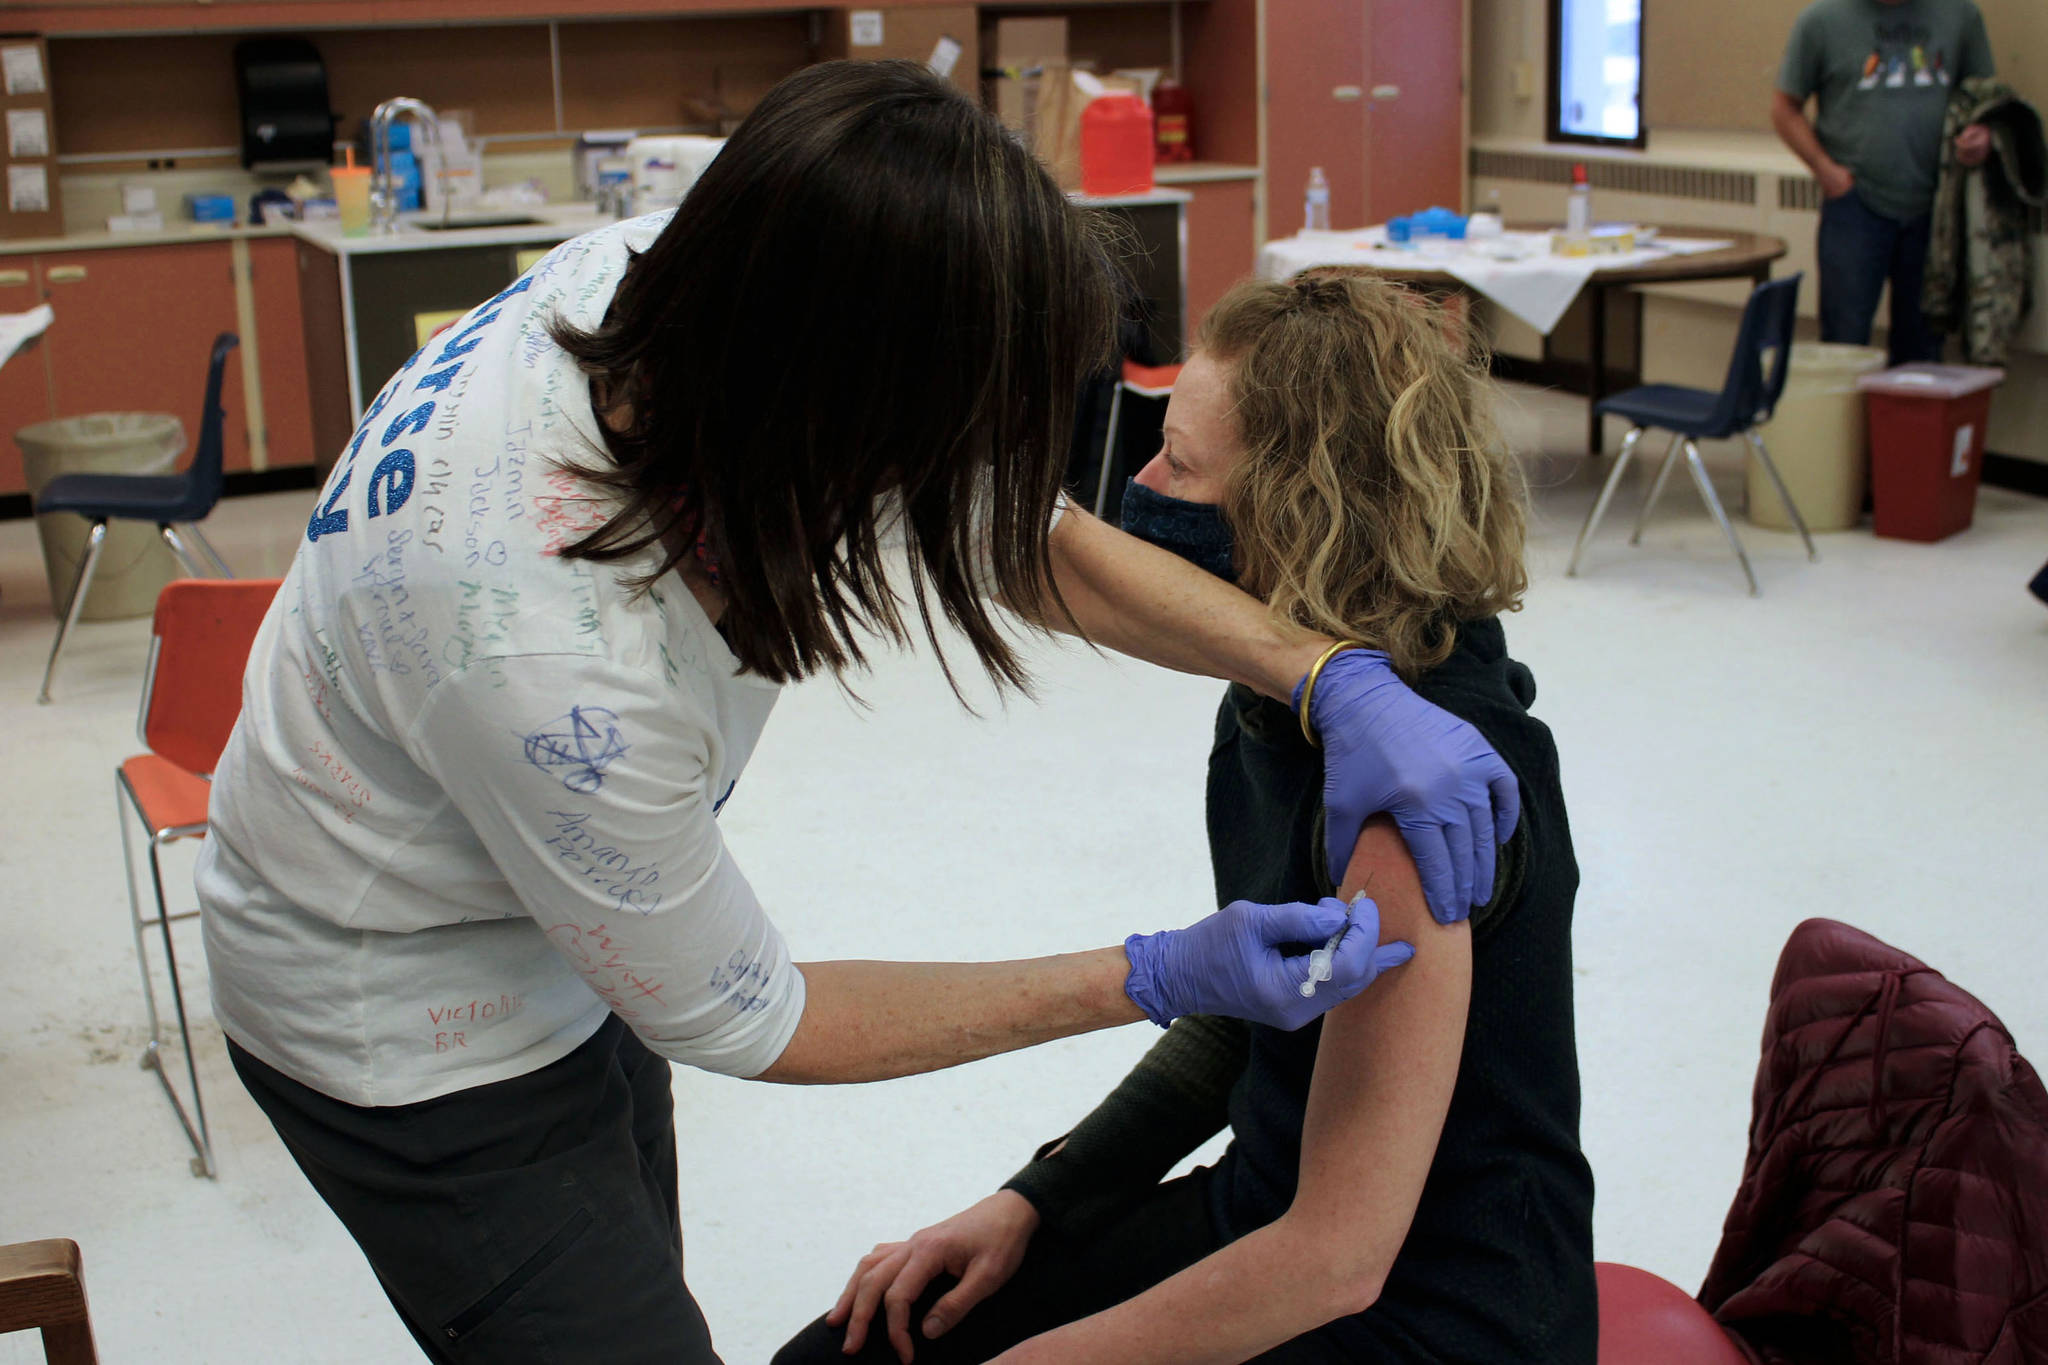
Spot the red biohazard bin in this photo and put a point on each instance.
(1927, 446)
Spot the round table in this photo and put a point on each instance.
(1748, 256)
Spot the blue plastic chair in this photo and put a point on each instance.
(1756, 379)
(169, 500)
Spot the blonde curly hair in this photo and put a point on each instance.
(1374, 500)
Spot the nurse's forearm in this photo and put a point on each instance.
(1142, 601)
(870, 1021)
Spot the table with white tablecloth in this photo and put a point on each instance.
(1517, 271)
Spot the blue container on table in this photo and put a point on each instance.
(210, 208)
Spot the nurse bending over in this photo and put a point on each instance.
(466, 895)
(1404, 1181)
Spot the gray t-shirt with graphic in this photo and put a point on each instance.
(1883, 73)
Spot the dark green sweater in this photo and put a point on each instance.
(1498, 1265)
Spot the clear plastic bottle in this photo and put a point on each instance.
(1316, 202)
(1578, 210)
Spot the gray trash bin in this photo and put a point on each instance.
(134, 563)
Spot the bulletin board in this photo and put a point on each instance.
(28, 141)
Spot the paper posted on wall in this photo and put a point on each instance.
(28, 133)
(28, 189)
(21, 66)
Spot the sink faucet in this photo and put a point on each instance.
(383, 185)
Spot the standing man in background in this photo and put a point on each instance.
(1881, 72)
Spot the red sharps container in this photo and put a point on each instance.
(1116, 145)
(1927, 446)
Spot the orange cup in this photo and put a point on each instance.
(352, 199)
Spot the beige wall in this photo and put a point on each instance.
(1747, 38)
(1732, 90)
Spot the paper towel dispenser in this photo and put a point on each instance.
(282, 84)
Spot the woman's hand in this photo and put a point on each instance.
(1386, 749)
(981, 1247)
(1232, 963)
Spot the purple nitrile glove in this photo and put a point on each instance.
(1231, 964)
(1386, 749)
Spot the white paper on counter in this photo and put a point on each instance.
(18, 329)
(22, 66)
(28, 133)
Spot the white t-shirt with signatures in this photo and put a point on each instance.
(471, 802)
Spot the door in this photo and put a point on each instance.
(1315, 108)
(1416, 103)
(281, 351)
(25, 378)
(134, 327)
(1220, 243)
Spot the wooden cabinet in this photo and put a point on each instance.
(1415, 107)
(24, 379)
(279, 325)
(134, 328)
(1222, 242)
(1315, 109)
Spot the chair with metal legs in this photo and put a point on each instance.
(1146, 381)
(1756, 379)
(191, 695)
(169, 500)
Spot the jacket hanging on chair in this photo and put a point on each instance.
(1980, 259)
(1894, 1204)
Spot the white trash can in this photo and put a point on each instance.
(1818, 440)
(134, 562)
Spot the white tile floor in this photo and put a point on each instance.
(1867, 741)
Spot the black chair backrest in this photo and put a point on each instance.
(204, 477)
(1750, 395)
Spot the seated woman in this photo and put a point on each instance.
(1404, 1180)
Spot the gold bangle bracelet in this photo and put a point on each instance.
(1308, 687)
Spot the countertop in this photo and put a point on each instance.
(557, 222)
(171, 235)
(1201, 172)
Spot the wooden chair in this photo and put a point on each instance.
(42, 1285)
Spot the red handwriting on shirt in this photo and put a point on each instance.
(594, 955)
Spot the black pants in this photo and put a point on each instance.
(1861, 251)
(534, 1219)
(1062, 1279)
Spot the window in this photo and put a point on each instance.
(1596, 71)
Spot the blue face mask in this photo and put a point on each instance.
(1196, 531)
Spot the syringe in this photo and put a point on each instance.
(1319, 959)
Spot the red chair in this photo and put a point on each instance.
(1146, 381)
(191, 695)
(1645, 1320)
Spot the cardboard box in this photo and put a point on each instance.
(933, 34)
(1023, 45)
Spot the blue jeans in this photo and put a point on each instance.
(1860, 249)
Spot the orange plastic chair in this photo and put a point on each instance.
(1647, 1320)
(191, 695)
(1146, 381)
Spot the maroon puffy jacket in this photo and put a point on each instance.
(1894, 1206)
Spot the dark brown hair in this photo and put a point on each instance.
(874, 303)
